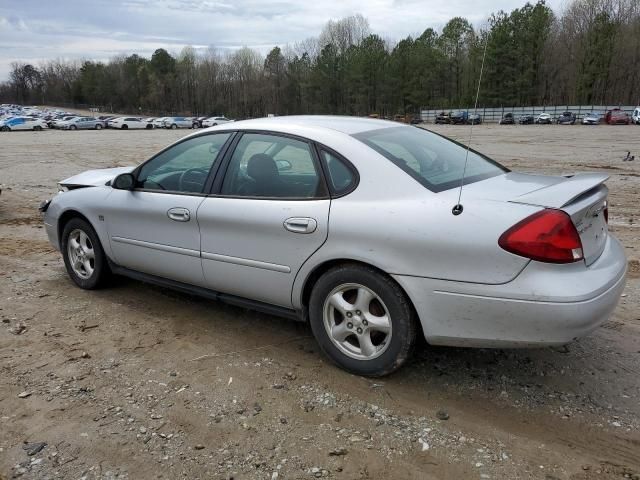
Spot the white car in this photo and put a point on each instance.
(544, 118)
(213, 121)
(635, 116)
(125, 123)
(22, 123)
(159, 122)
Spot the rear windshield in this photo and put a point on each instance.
(433, 160)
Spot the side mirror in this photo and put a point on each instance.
(124, 181)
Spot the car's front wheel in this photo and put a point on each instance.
(98, 126)
(83, 255)
(362, 320)
(125, 127)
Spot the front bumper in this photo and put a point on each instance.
(545, 305)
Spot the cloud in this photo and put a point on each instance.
(33, 30)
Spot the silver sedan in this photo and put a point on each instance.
(353, 225)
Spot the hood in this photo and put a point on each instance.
(95, 178)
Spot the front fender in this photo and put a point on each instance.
(88, 203)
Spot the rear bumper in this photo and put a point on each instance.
(545, 305)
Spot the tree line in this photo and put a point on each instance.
(588, 54)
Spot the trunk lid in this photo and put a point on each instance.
(583, 196)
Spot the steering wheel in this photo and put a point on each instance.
(184, 179)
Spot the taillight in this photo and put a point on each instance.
(546, 236)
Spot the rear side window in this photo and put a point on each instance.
(434, 161)
(342, 177)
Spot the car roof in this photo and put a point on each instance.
(343, 124)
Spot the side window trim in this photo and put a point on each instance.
(224, 167)
(210, 177)
(319, 147)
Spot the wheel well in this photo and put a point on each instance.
(321, 269)
(64, 219)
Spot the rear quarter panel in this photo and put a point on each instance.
(395, 224)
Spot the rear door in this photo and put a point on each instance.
(267, 216)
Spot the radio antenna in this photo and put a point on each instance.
(457, 208)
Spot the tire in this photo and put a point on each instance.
(98, 126)
(125, 127)
(387, 350)
(98, 272)
(37, 128)
(149, 126)
(73, 127)
(5, 129)
(173, 126)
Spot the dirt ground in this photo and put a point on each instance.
(140, 382)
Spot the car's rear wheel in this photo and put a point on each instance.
(173, 126)
(98, 126)
(83, 255)
(149, 126)
(5, 129)
(72, 127)
(362, 320)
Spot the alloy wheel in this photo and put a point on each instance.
(357, 321)
(81, 254)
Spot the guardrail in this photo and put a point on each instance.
(493, 115)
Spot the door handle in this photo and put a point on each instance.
(179, 214)
(301, 224)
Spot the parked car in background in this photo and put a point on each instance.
(213, 121)
(531, 263)
(23, 123)
(129, 123)
(60, 121)
(591, 118)
(526, 119)
(177, 122)
(507, 119)
(617, 117)
(159, 122)
(474, 119)
(544, 119)
(442, 119)
(416, 120)
(566, 118)
(83, 123)
(459, 117)
(635, 116)
(197, 121)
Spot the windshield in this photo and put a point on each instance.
(433, 160)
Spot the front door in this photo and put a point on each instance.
(153, 229)
(269, 216)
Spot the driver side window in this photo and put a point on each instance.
(184, 167)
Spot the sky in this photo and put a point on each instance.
(37, 30)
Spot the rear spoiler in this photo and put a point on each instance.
(563, 193)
